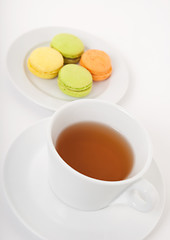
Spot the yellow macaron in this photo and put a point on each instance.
(45, 62)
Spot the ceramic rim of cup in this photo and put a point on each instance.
(128, 180)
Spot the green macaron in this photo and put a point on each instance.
(70, 46)
(75, 80)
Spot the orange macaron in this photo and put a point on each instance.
(98, 63)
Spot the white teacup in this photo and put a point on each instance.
(86, 193)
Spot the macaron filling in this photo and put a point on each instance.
(98, 75)
(74, 89)
(74, 92)
(101, 77)
(46, 75)
(71, 60)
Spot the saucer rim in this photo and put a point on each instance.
(31, 229)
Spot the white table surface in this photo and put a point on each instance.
(140, 30)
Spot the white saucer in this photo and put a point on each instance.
(46, 92)
(30, 197)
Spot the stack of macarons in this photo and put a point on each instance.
(73, 79)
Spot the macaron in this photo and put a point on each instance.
(45, 62)
(98, 63)
(75, 80)
(70, 46)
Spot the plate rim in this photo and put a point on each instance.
(60, 102)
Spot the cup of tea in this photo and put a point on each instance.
(97, 155)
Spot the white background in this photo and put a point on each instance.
(140, 30)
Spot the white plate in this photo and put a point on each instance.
(29, 195)
(46, 92)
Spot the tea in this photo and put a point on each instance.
(96, 150)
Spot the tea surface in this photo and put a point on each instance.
(96, 150)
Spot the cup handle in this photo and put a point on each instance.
(142, 196)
